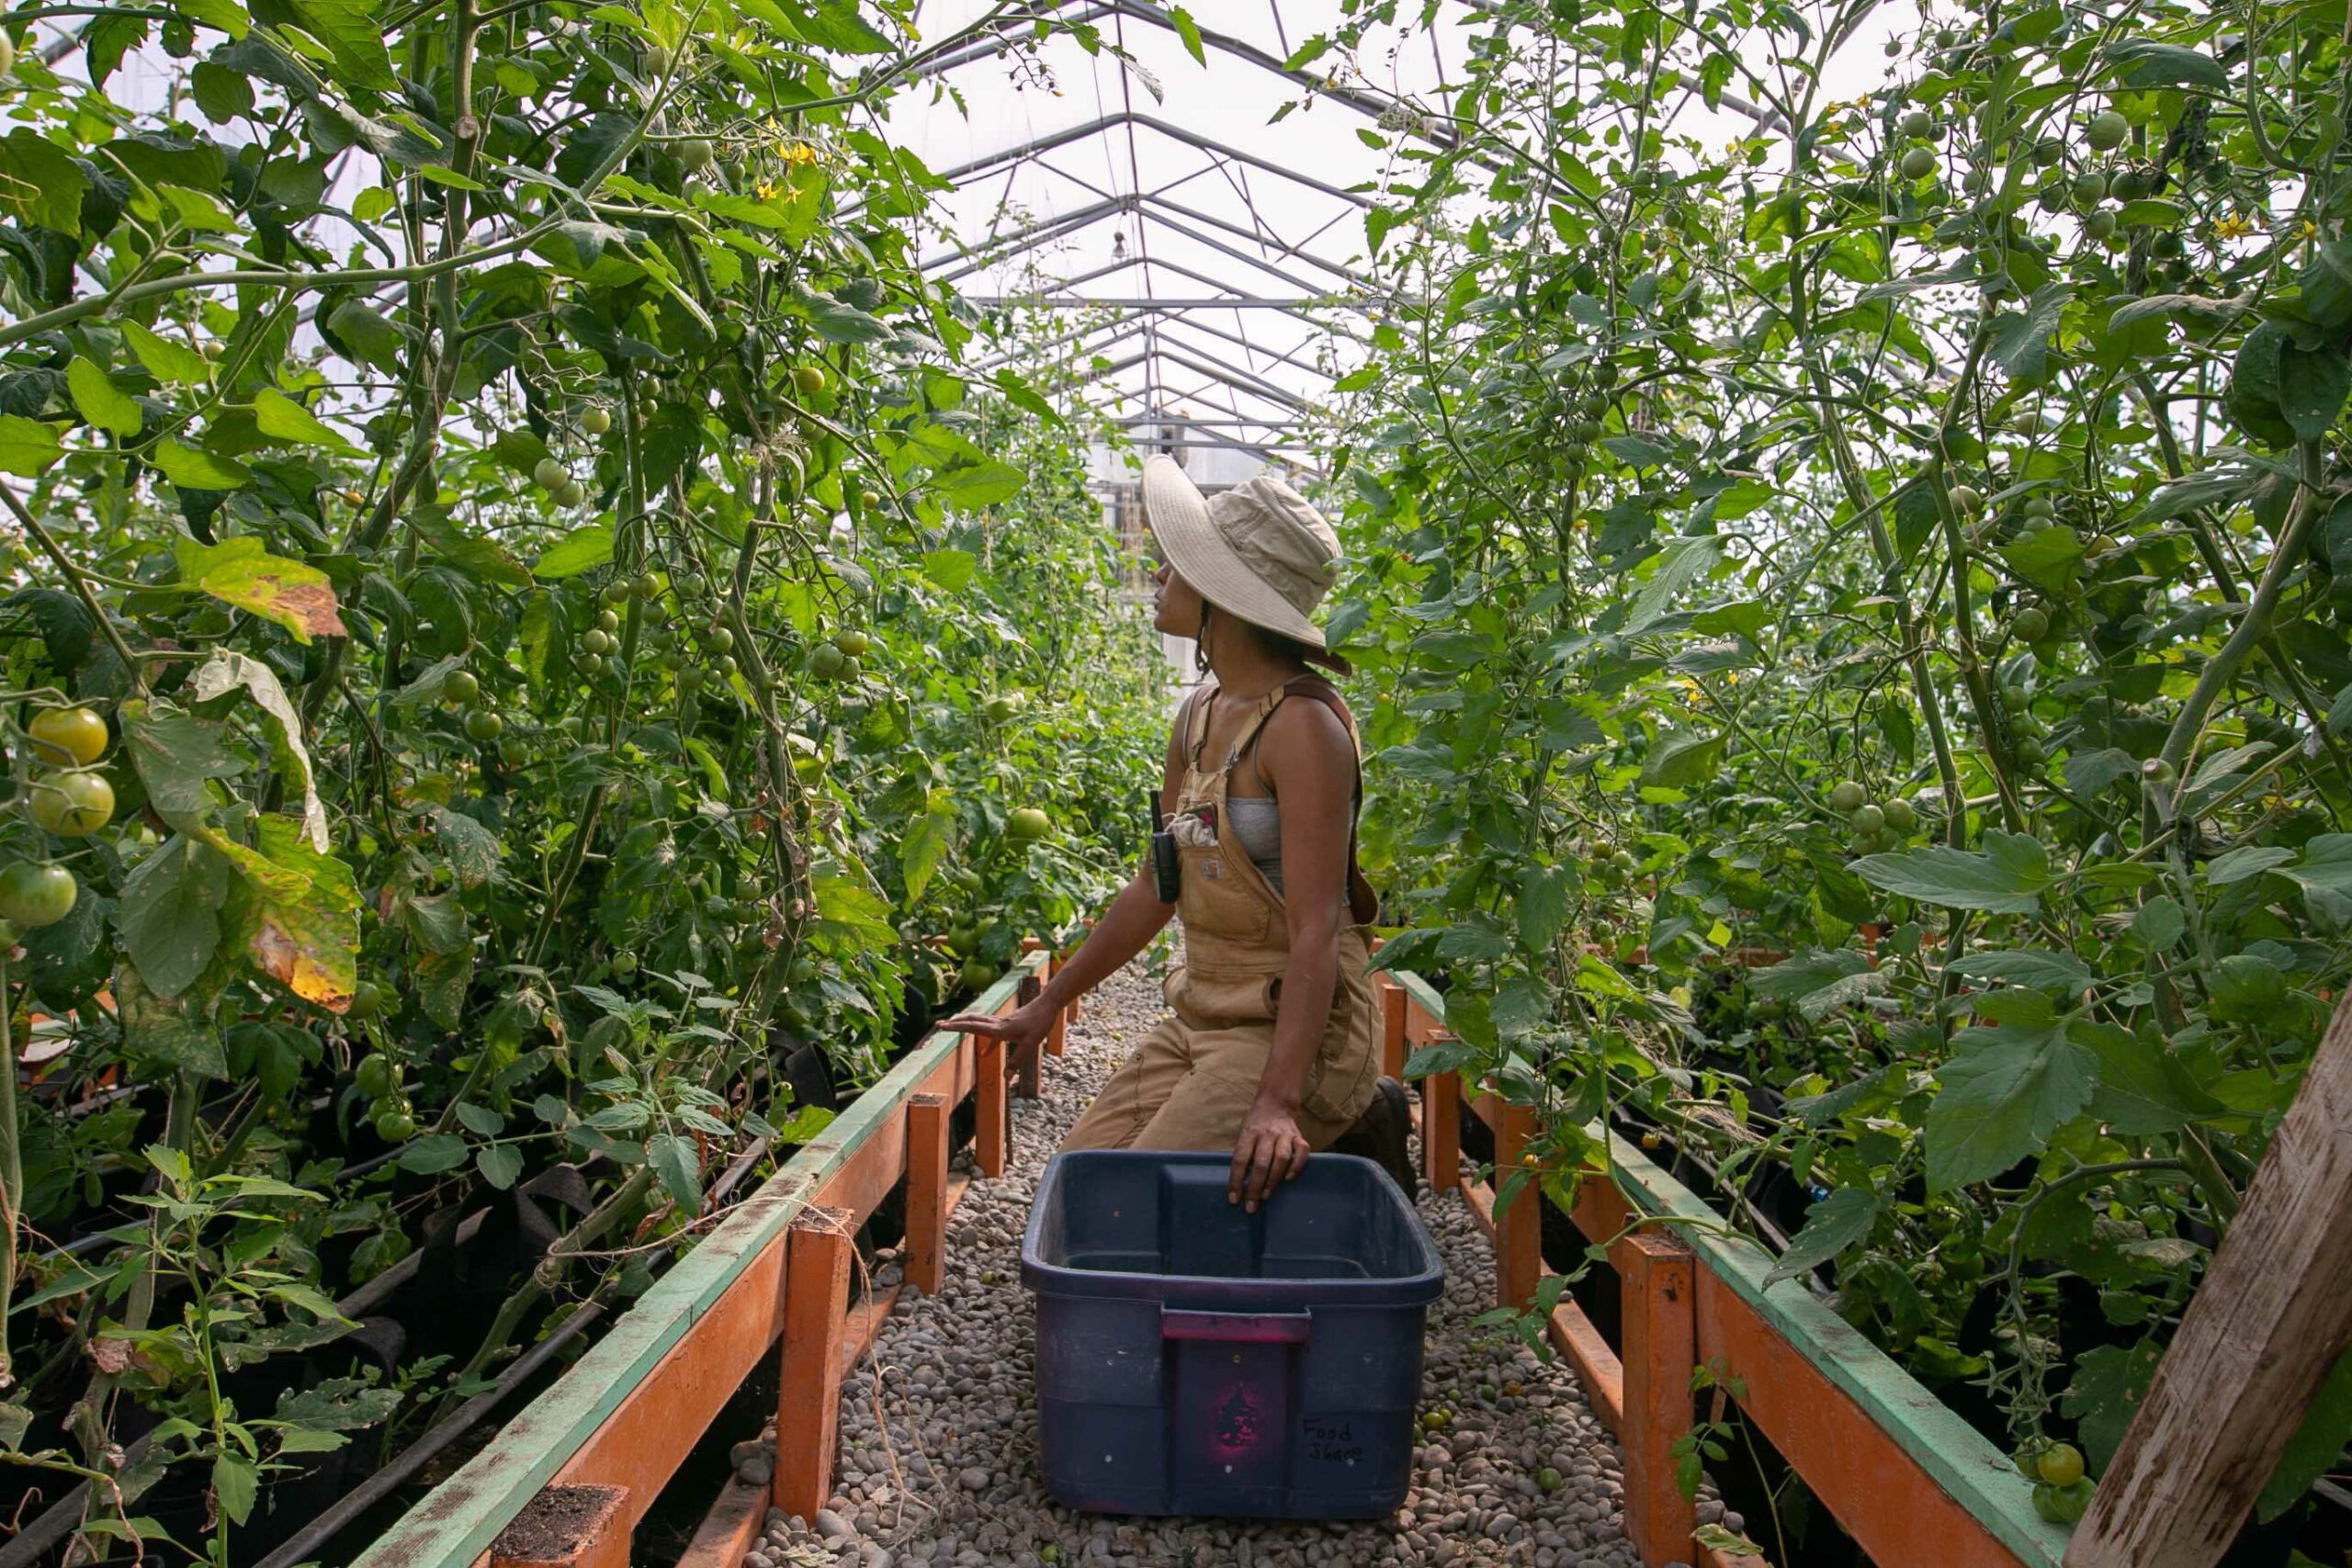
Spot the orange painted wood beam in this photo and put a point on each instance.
(1394, 1007)
(1877, 1492)
(639, 1447)
(991, 1112)
(926, 1249)
(861, 1324)
(1441, 1131)
(1603, 1375)
(1519, 1229)
(1025, 1061)
(1654, 1276)
(1480, 1199)
(817, 1263)
(729, 1530)
(568, 1526)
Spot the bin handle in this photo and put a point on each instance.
(1252, 1327)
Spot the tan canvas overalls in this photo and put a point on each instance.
(1190, 1083)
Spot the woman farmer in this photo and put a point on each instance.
(1273, 1048)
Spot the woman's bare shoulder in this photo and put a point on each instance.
(1308, 730)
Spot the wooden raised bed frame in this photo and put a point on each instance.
(1905, 1477)
(616, 1426)
(1901, 1474)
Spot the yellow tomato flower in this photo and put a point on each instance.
(2235, 226)
(765, 190)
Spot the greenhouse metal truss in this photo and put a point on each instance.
(1228, 300)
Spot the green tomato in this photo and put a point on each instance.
(395, 1126)
(33, 895)
(2062, 1504)
(596, 420)
(2061, 1464)
(1900, 817)
(483, 725)
(1846, 797)
(375, 1076)
(72, 805)
(460, 687)
(1918, 162)
(68, 738)
(549, 475)
(367, 1000)
(1866, 819)
(2106, 130)
(1917, 124)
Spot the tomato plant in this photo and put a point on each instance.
(1857, 614)
(521, 634)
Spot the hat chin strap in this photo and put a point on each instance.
(1200, 643)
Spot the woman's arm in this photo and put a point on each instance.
(1135, 914)
(1310, 764)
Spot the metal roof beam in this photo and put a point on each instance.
(1153, 199)
(1028, 237)
(1192, 423)
(1240, 381)
(1125, 325)
(1238, 341)
(1140, 302)
(1052, 140)
(1244, 257)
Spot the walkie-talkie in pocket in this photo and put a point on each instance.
(1167, 874)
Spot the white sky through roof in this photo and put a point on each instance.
(1212, 202)
(1259, 213)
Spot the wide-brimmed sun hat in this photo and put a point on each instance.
(1258, 551)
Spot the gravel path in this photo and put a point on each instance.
(938, 1429)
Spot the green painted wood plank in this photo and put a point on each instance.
(456, 1520)
(1970, 1469)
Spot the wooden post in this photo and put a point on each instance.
(1441, 1131)
(2268, 1321)
(1058, 1033)
(1519, 1229)
(989, 1106)
(567, 1527)
(1024, 1065)
(816, 1296)
(1654, 1273)
(926, 1191)
(1393, 1003)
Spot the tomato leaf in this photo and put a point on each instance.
(241, 572)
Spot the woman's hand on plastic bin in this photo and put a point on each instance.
(1271, 1151)
(1022, 1028)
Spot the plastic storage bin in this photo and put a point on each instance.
(1197, 1358)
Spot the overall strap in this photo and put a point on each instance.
(1363, 903)
(1196, 706)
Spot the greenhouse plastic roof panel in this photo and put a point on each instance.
(1205, 262)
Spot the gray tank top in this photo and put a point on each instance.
(1258, 827)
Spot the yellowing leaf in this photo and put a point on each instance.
(226, 671)
(242, 572)
(299, 913)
